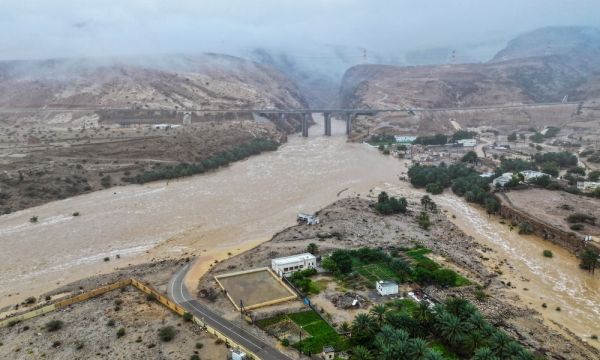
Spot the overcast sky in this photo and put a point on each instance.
(74, 28)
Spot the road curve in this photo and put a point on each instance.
(180, 295)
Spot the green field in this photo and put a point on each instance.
(321, 333)
(377, 271)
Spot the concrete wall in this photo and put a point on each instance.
(566, 239)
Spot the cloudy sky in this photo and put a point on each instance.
(73, 28)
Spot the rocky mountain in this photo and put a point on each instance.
(540, 66)
(165, 82)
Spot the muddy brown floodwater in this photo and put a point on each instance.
(571, 295)
(209, 215)
(238, 207)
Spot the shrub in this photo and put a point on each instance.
(56, 344)
(195, 357)
(199, 345)
(120, 332)
(423, 220)
(33, 219)
(54, 325)
(548, 253)
(434, 188)
(285, 342)
(110, 323)
(166, 333)
(576, 227)
(151, 297)
(30, 300)
(188, 316)
(581, 218)
(76, 213)
(525, 228)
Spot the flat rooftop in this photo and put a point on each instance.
(293, 258)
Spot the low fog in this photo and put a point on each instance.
(313, 31)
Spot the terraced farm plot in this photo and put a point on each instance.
(377, 272)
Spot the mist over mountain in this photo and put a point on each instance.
(531, 68)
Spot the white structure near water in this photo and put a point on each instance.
(529, 175)
(288, 265)
(588, 185)
(467, 142)
(386, 287)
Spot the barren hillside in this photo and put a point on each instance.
(519, 74)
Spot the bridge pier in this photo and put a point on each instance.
(305, 124)
(281, 121)
(327, 117)
(348, 123)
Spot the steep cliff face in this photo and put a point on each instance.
(541, 66)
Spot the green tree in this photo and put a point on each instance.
(470, 157)
(594, 175)
(484, 353)
(312, 248)
(589, 260)
(423, 220)
(363, 328)
(434, 188)
(378, 313)
(342, 260)
(361, 353)
(512, 137)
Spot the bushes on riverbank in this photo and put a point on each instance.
(463, 180)
(223, 158)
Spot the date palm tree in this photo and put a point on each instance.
(363, 328)
(378, 312)
(484, 353)
(361, 353)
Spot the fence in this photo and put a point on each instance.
(145, 288)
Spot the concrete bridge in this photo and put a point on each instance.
(347, 114)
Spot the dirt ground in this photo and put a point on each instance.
(553, 207)
(254, 288)
(352, 223)
(89, 333)
(50, 161)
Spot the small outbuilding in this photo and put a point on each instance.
(328, 353)
(386, 287)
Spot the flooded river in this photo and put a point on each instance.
(208, 215)
(572, 296)
(233, 209)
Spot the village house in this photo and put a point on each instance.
(529, 175)
(587, 186)
(386, 287)
(288, 265)
(467, 142)
(502, 180)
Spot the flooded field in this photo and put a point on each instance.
(209, 215)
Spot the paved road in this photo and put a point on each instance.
(179, 294)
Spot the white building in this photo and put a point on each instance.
(237, 354)
(405, 139)
(310, 219)
(529, 175)
(288, 265)
(588, 185)
(386, 287)
(503, 180)
(467, 142)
